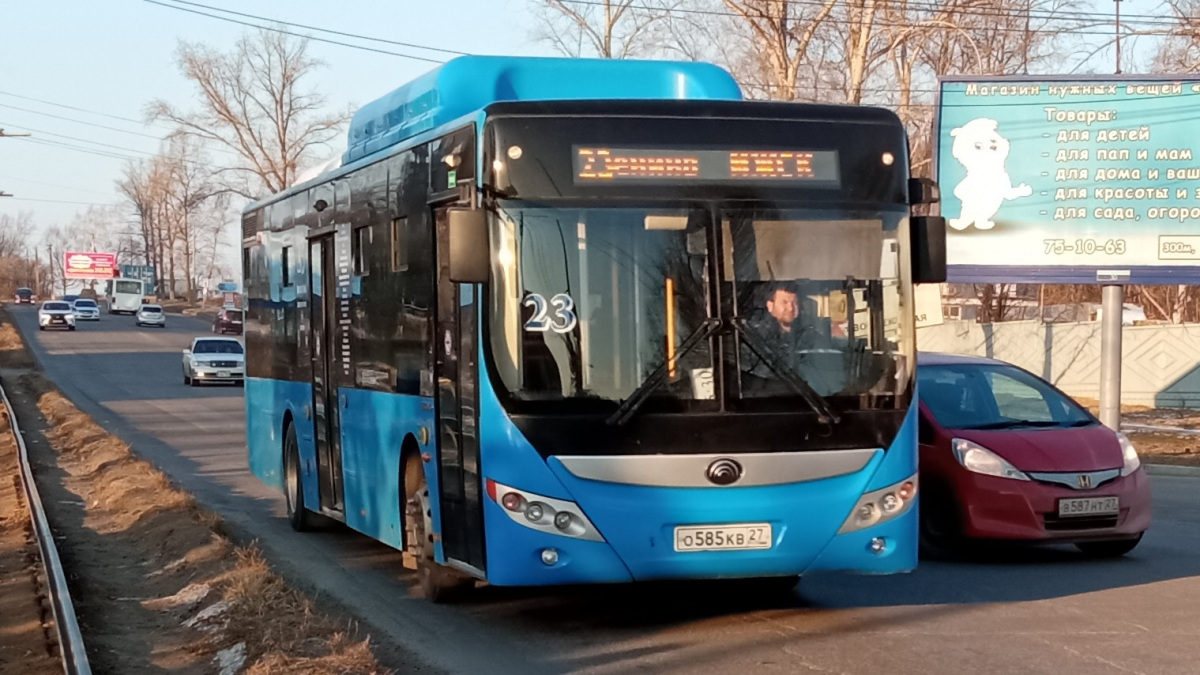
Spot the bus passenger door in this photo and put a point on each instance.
(323, 282)
(457, 372)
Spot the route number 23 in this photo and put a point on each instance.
(557, 315)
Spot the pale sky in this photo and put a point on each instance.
(106, 59)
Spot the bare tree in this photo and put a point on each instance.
(609, 29)
(1179, 52)
(253, 103)
(777, 36)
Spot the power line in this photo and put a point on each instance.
(90, 124)
(55, 185)
(68, 146)
(284, 32)
(85, 140)
(60, 201)
(70, 107)
(322, 30)
(1052, 15)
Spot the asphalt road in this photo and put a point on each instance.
(1022, 611)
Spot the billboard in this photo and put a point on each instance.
(1070, 181)
(78, 265)
(144, 272)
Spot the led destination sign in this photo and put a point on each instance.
(633, 165)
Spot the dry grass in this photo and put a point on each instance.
(133, 512)
(12, 349)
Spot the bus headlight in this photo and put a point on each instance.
(882, 505)
(544, 514)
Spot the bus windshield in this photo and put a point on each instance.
(588, 302)
(124, 286)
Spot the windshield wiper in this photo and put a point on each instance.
(1012, 424)
(640, 395)
(825, 413)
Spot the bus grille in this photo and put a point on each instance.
(250, 224)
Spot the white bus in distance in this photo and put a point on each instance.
(126, 295)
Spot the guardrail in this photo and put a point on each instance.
(70, 640)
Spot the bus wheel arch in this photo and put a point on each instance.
(439, 583)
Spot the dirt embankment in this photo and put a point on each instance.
(27, 636)
(156, 584)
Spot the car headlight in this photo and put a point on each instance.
(1132, 461)
(976, 458)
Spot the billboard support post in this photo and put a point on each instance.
(1113, 306)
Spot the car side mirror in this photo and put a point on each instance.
(187, 352)
(469, 247)
(923, 191)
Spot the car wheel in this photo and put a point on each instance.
(41, 328)
(70, 327)
(1109, 549)
(186, 379)
(298, 515)
(939, 532)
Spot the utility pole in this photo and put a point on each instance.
(1118, 4)
(4, 135)
(50, 264)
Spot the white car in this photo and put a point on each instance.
(214, 359)
(86, 310)
(151, 315)
(56, 314)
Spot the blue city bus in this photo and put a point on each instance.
(564, 321)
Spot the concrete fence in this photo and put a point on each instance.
(1160, 364)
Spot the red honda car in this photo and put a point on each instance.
(1006, 456)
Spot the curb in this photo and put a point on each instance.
(1172, 470)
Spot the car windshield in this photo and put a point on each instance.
(994, 396)
(56, 306)
(24, 292)
(151, 309)
(233, 316)
(85, 303)
(217, 347)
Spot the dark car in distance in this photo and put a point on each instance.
(1005, 456)
(228, 321)
(25, 296)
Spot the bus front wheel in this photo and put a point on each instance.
(297, 515)
(439, 583)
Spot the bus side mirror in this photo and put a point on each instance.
(923, 191)
(469, 247)
(928, 249)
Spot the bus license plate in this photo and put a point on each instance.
(1089, 506)
(735, 537)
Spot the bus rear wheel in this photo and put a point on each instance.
(439, 583)
(298, 516)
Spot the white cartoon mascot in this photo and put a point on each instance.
(982, 152)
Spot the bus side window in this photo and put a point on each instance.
(361, 244)
(285, 263)
(399, 244)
